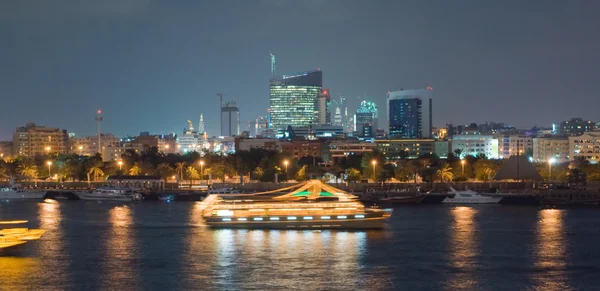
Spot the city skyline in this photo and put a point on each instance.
(135, 60)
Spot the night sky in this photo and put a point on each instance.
(151, 65)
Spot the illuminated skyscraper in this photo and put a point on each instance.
(365, 119)
(293, 98)
(322, 108)
(410, 113)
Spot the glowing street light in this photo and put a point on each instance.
(550, 162)
(286, 165)
(462, 163)
(374, 163)
(120, 165)
(48, 150)
(49, 163)
(201, 170)
(80, 148)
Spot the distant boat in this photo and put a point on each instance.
(223, 191)
(412, 199)
(568, 198)
(469, 197)
(111, 194)
(15, 191)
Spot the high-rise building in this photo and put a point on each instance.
(262, 124)
(322, 107)
(586, 146)
(31, 140)
(230, 119)
(410, 113)
(292, 99)
(554, 149)
(365, 119)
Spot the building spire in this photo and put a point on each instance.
(272, 64)
(201, 125)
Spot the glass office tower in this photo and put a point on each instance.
(292, 99)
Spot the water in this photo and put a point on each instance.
(165, 246)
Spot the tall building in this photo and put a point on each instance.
(262, 124)
(510, 145)
(365, 119)
(230, 119)
(292, 99)
(31, 140)
(410, 113)
(322, 107)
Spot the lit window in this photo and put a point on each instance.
(307, 217)
(226, 219)
(359, 216)
(258, 218)
(291, 218)
(341, 217)
(242, 219)
(325, 217)
(274, 218)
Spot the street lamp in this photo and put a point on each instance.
(286, 165)
(374, 163)
(201, 171)
(49, 166)
(462, 163)
(48, 150)
(80, 148)
(550, 162)
(120, 165)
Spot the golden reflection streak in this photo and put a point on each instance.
(463, 248)
(51, 246)
(15, 273)
(120, 245)
(549, 251)
(194, 270)
(300, 254)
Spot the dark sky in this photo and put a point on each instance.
(151, 65)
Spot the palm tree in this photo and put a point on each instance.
(135, 170)
(445, 172)
(192, 173)
(180, 167)
(28, 170)
(96, 171)
(164, 170)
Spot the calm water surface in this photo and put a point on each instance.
(165, 246)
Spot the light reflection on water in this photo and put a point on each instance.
(52, 242)
(118, 265)
(550, 251)
(463, 249)
(15, 272)
(253, 256)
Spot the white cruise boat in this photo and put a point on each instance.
(111, 194)
(311, 205)
(469, 197)
(15, 191)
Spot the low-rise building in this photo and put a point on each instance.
(474, 145)
(246, 144)
(88, 146)
(546, 148)
(509, 145)
(31, 140)
(5, 149)
(306, 148)
(396, 149)
(343, 148)
(586, 145)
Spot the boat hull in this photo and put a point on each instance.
(486, 200)
(21, 195)
(402, 200)
(104, 198)
(374, 223)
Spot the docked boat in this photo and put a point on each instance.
(469, 197)
(111, 194)
(568, 198)
(309, 205)
(409, 199)
(223, 191)
(11, 237)
(15, 191)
